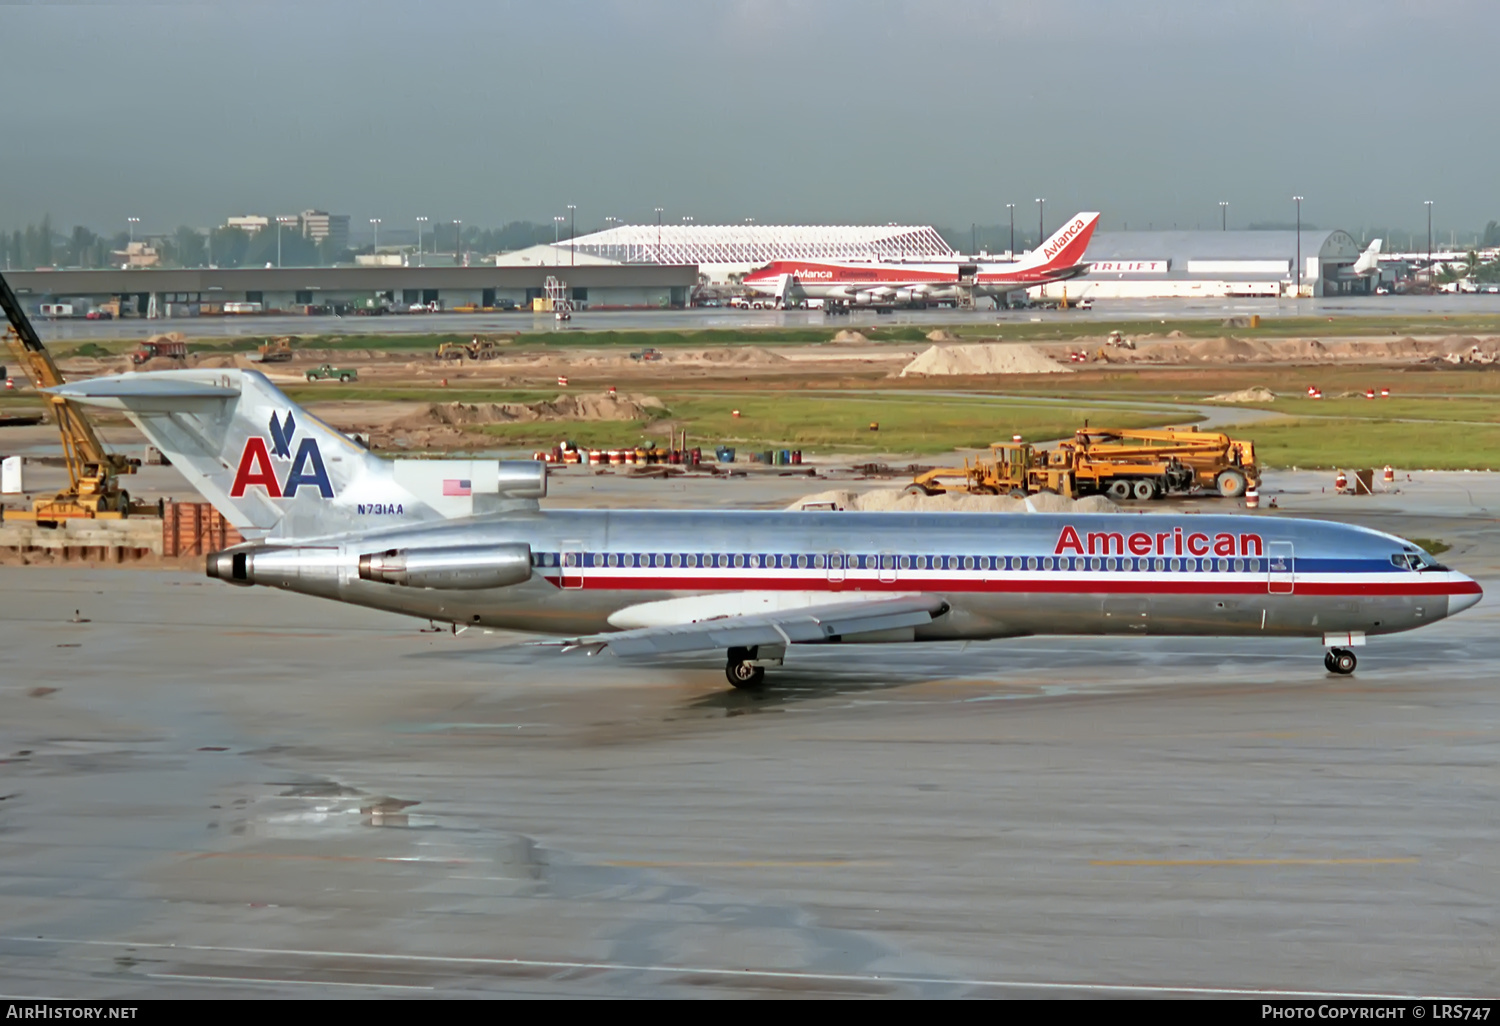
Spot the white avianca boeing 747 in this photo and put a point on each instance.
(464, 542)
(1060, 258)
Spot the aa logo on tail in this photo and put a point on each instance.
(256, 467)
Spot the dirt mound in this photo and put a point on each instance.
(1258, 394)
(857, 338)
(895, 500)
(597, 406)
(1298, 349)
(217, 360)
(171, 336)
(740, 354)
(983, 359)
(1229, 350)
(942, 335)
(1177, 334)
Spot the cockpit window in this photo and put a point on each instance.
(1418, 561)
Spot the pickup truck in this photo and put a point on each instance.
(327, 372)
(642, 355)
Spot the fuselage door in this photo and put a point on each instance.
(572, 565)
(836, 567)
(1281, 568)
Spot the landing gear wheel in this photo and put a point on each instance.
(1143, 490)
(1340, 661)
(1119, 490)
(745, 676)
(1231, 484)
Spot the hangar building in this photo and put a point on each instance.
(724, 249)
(1186, 264)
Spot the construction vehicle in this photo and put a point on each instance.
(645, 355)
(152, 348)
(1148, 464)
(278, 350)
(1123, 464)
(328, 372)
(93, 474)
(477, 349)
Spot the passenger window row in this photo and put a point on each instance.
(886, 561)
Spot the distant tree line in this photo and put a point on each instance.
(41, 245)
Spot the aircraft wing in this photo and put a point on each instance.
(805, 625)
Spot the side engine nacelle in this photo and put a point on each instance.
(460, 567)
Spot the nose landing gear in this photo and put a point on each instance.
(1340, 661)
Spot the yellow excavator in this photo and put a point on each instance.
(93, 474)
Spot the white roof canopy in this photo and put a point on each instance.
(761, 243)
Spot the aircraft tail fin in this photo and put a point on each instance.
(274, 470)
(1369, 260)
(1066, 246)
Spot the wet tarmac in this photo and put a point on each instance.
(211, 791)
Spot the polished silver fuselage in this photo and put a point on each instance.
(1001, 575)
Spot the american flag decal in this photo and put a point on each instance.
(453, 486)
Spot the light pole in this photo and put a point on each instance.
(375, 225)
(281, 222)
(458, 239)
(133, 221)
(557, 221)
(1041, 205)
(658, 233)
(973, 238)
(1428, 205)
(1298, 199)
(572, 233)
(420, 222)
(1223, 215)
(1012, 208)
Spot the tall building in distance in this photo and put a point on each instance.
(319, 225)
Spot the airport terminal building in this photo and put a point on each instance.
(1189, 264)
(309, 290)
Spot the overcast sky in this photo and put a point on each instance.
(825, 111)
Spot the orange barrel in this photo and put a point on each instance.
(1252, 498)
(1341, 481)
(1388, 475)
(562, 380)
(595, 456)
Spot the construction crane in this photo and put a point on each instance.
(93, 474)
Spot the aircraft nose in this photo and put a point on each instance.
(1467, 598)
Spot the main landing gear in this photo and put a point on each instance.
(1340, 660)
(742, 671)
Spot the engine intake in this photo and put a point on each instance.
(461, 567)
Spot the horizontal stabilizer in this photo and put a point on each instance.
(140, 392)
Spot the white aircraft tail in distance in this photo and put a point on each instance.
(1368, 262)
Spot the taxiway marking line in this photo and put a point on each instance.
(269, 979)
(751, 974)
(743, 864)
(1401, 861)
(318, 858)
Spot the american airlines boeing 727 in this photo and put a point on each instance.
(465, 542)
